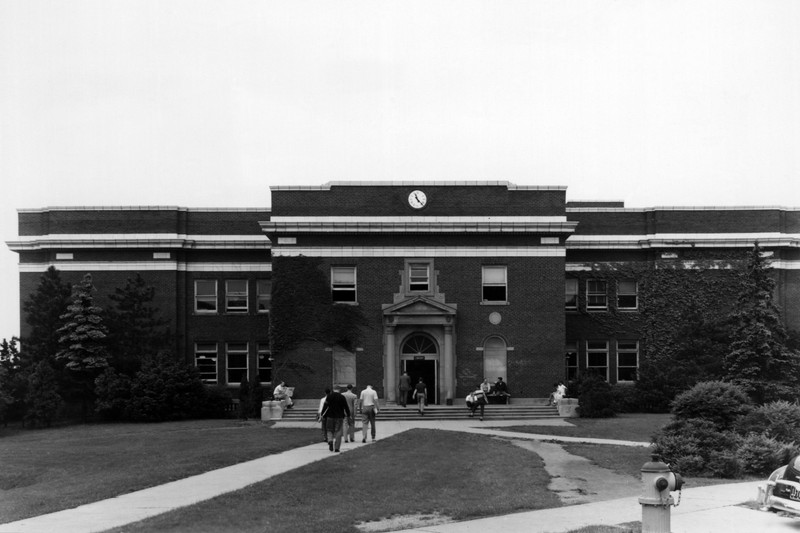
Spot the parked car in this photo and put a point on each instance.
(781, 492)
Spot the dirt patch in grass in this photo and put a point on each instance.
(407, 521)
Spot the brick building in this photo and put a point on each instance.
(458, 280)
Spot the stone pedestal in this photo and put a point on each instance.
(568, 407)
(271, 410)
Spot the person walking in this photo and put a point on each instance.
(350, 433)
(368, 403)
(321, 412)
(421, 395)
(404, 386)
(336, 409)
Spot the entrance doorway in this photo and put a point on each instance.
(425, 369)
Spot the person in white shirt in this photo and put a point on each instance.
(350, 421)
(368, 403)
(476, 399)
(281, 393)
(321, 415)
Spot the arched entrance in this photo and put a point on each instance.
(419, 356)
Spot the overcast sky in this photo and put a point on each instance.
(206, 104)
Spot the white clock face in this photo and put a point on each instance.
(417, 199)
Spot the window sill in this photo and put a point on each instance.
(495, 303)
(345, 303)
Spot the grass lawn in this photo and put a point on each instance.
(420, 471)
(53, 469)
(417, 472)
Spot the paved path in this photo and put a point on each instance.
(710, 509)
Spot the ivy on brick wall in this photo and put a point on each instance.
(681, 321)
(302, 310)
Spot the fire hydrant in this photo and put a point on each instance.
(657, 483)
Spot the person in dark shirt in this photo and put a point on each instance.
(501, 389)
(336, 409)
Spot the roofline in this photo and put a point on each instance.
(679, 208)
(144, 208)
(424, 183)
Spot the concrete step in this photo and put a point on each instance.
(441, 412)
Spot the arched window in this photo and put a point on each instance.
(418, 345)
(494, 359)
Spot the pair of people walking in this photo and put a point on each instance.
(338, 409)
(419, 394)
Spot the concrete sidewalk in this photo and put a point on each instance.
(703, 509)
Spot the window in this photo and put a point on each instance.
(597, 358)
(263, 295)
(571, 294)
(495, 358)
(343, 283)
(571, 360)
(627, 360)
(205, 296)
(236, 296)
(596, 294)
(627, 294)
(344, 367)
(236, 362)
(205, 359)
(264, 363)
(419, 277)
(494, 283)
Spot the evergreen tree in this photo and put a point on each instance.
(759, 360)
(256, 397)
(12, 380)
(43, 310)
(82, 340)
(134, 325)
(42, 400)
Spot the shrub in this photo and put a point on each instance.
(595, 399)
(779, 420)
(776, 391)
(625, 399)
(256, 397)
(214, 403)
(42, 402)
(166, 389)
(698, 447)
(112, 394)
(760, 454)
(718, 402)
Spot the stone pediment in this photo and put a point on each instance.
(419, 306)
